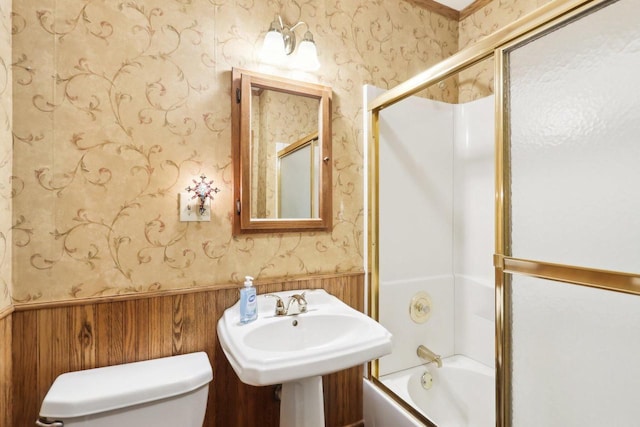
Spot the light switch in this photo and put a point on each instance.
(190, 209)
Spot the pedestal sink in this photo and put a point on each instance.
(296, 350)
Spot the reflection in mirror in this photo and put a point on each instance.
(281, 132)
(280, 120)
(298, 183)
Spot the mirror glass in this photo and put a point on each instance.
(282, 153)
(297, 179)
(284, 135)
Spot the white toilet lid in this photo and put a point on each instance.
(98, 390)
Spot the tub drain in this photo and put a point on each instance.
(426, 380)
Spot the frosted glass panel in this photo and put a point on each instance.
(575, 142)
(575, 355)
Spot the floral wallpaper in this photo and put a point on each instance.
(117, 105)
(6, 153)
(477, 82)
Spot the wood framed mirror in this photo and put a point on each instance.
(281, 137)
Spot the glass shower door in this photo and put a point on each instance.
(569, 259)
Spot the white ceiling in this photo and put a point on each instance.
(456, 4)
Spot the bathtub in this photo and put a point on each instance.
(462, 395)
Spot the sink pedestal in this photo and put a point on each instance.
(297, 350)
(302, 403)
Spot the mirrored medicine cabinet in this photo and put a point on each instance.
(281, 138)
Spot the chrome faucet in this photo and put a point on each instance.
(281, 310)
(302, 303)
(429, 356)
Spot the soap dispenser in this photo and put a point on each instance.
(248, 301)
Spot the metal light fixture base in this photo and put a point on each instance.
(289, 38)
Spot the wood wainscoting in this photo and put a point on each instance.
(48, 341)
(5, 368)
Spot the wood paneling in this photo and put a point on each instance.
(438, 8)
(473, 8)
(5, 370)
(48, 341)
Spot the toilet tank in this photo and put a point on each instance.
(170, 391)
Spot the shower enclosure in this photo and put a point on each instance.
(436, 236)
(566, 248)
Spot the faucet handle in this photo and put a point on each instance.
(280, 310)
(302, 302)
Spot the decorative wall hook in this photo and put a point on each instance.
(202, 190)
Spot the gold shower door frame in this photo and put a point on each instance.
(498, 45)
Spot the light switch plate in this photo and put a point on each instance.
(190, 209)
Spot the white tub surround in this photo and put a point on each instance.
(436, 233)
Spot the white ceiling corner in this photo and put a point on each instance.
(456, 4)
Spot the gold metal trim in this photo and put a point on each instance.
(503, 349)
(579, 11)
(477, 52)
(628, 283)
(502, 262)
(533, 25)
(502, 217)
(298, 144)
(400, 401)
(502, 237)
(374, 226)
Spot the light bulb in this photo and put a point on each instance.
(307, 55)
(273, 48)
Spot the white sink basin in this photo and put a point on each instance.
(315, 332)
(329, 337)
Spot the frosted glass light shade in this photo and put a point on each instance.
(307, 56)
(273, 48)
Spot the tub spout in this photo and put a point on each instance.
(429, 356)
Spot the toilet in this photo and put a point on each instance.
(171, 391)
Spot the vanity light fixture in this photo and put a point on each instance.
(202, 190)
(280, 42)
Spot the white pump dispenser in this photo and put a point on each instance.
(248, 301)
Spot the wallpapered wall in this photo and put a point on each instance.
(477, 81)
(6, 153)
(119, 104)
